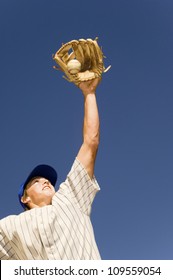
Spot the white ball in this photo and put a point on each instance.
(73, 66)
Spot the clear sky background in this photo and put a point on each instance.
(41, 113)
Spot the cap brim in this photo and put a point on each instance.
(45, 171)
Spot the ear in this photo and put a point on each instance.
(25, 199)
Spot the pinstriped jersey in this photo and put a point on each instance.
(60, 231)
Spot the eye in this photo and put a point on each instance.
(35, 181)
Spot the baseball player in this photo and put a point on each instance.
(56, 225)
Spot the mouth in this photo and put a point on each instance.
(46, 188)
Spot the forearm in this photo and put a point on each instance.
(91, 129)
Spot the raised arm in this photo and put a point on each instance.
(91, 132)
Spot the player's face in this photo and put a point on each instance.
(39, 192)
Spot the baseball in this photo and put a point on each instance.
(73, 66)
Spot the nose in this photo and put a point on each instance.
(46, 182)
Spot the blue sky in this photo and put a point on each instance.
(41, 113)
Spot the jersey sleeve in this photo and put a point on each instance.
(79, 187)
(6, 251)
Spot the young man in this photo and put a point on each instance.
(57, 225)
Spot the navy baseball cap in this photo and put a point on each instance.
(42, 170)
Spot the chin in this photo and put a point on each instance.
(49, 193)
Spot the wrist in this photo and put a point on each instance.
(88, 92)
(89, 87)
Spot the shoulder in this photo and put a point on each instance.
(78, 188)
(78, 177)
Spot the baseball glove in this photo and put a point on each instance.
(88, 57)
